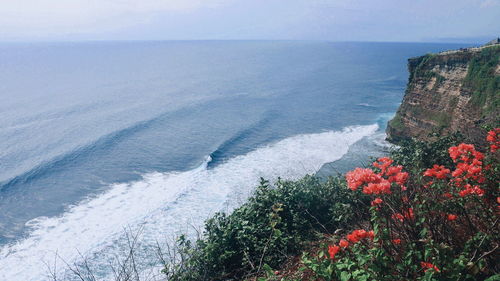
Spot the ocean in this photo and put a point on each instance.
(101, 137)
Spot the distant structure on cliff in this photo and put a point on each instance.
(493, 42)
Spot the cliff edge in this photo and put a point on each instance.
(448, 92)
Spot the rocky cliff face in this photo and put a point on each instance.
(455, 91)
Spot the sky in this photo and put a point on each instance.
(332, 20)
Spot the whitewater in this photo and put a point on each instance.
(154, 203)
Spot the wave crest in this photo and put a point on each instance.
(162, 203)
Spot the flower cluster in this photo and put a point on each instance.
(417, 225)
(439, 172)
(406, 211)
(493, 139)
(352, 238)
(464, 152)
(377, 183)
(468, 173)
(333, 250)
(469, 169)
(361, 176)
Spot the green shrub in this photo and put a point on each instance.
(274, 224)
(416, 155)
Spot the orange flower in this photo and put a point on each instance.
(333, 250)
(374, 183)
(383, 187)
(463, 152)
(383, 163)
(360, 177)
(452, 217)
(358, 234)
(399, 178)
(343, 243)
(437, 171)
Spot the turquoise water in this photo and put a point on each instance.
(99, 136)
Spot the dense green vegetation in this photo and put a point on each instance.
(482, 81)
(274, 224)
(280, 220)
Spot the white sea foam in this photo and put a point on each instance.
(163, 202)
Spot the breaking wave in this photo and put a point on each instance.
(164, 203)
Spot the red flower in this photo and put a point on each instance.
(464, 152)
(493, 139)
(468, 189)
(383, 163)
(333, 250)
(374, 183)
(478, 191)
(382, 187)
(399, 178)
(343, 243)
(437, 171)
(452, 217)
(377, 201)
(361, 176)
(396, 241)
(427, 265)
(398, 216)
(358, 234)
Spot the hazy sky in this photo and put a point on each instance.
(338, 20)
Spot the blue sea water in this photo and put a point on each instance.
(96, 137)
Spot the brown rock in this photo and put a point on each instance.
(453, 91)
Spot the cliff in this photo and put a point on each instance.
(453, 91)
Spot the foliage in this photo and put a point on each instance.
(435, 223)
(416, 155)
(481, 78)
(265, 231)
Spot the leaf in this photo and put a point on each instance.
(345, 276)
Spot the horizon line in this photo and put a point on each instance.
(233, 40)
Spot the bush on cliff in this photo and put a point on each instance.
(435, 223)
(273, 225)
